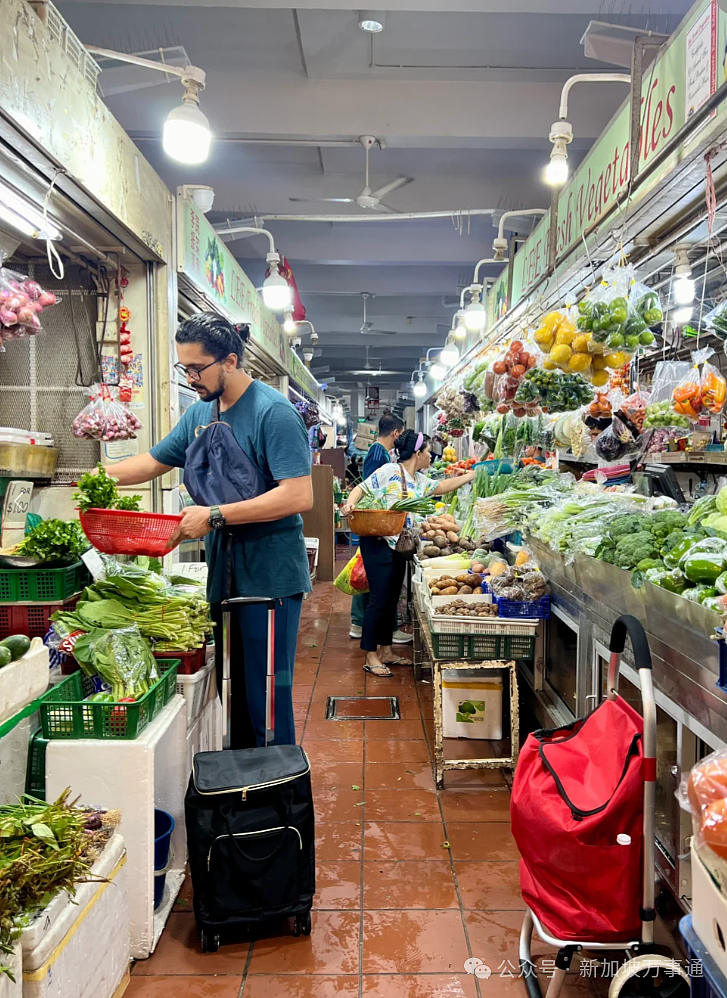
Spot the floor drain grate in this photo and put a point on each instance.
(363, 709)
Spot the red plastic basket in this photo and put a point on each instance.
(190, 662)
(121, 531)
(32, 619)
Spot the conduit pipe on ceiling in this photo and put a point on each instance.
(232, 230)
(587, 78)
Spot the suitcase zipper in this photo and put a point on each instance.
(242, 835)
(255, 786)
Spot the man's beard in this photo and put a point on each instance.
(212, 394)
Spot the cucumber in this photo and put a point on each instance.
(18, 644)
(6, 657)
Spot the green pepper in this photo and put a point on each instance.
(716, 603)
(700, 593)
(673, 557)
(673, 582)
(650, 300)
(721, 584)
(703, 566)
(716, 545)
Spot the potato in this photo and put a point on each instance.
(465, 579)
(431, 551)
(430, 535)
(440, 533)
(465, 591)
(434, 583)
(478, 568)
(440, 541)
(452, 537)
(475, 579)
(449, 591)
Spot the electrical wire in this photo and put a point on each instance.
(52, 253)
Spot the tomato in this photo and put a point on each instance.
(714, 826)
(499, 367)
(707, 783)
(517, 371)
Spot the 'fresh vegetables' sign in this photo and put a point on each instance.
(669, 95)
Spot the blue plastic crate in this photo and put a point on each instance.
(709, 983)
(539, 608)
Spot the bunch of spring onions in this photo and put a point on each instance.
(379, 499)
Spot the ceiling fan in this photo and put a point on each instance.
(367, 326)
(368, 370)
(367, 198)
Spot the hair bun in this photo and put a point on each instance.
(243, 331)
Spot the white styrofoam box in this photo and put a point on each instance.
(481, 692)
(709, 907)
(135, 776)
(35, 935)
(24, 680)
(196, 691)
(211, 733)
(14, 960)
(13, 762)
(194, 740)
(62, 955)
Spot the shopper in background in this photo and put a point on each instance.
(385, 567)
(267, 555)
(390, 428)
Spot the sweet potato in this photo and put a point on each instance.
(452, 537)
(465, 591)
(449, 591)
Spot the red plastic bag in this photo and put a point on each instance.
(359, 582)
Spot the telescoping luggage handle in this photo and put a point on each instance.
(227, 606)
(628, 625)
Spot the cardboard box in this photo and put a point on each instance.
(471, 704)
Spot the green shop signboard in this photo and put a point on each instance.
(300, 373)
(207, 262)
(688, 71)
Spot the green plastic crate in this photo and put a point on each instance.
(42, 585)
(486, 646)
(518, 646)
(65, 712)
(450, 646)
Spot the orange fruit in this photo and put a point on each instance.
(714, 826)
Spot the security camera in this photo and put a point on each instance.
(202, 197)
(314, 338)
(296, 342)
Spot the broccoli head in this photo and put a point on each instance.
(626, 524)
(648, 563)
(633, 548)
(665, 521)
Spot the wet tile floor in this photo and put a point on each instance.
(411, 882)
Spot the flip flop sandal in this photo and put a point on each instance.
(381, 675)
(398, 661)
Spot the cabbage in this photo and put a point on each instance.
(722, 501)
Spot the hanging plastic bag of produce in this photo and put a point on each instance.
(704, 795)
(89, 423)
(616, 442)
(105, 418)
(22, 300)
(645, 312)
(343, 581)
(713, 387)
(687, 395)
(634, 408)
(667, 375)
(716, 321)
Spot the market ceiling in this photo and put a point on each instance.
(462, 95)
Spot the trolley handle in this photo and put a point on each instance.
(628, 625)
(268, 601)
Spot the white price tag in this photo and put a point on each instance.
(94, 563)
(191, 569)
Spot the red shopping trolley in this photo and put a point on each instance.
(583, 816)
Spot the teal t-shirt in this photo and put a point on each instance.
(268, 559)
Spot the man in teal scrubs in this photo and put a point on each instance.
(267, 554)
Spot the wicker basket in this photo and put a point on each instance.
(376, 522)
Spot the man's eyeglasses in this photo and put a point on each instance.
(194, 373)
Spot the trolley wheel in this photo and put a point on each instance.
(640, 978)
(210, 941)
(302, 925)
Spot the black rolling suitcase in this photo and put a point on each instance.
(250, 825)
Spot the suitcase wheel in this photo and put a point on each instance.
(210, 941)
(303, 925)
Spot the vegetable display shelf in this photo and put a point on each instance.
(42, 584)
(32, 619)
(65, 713)
(707, 981)
(190, 662)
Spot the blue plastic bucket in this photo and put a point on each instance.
(163, 828)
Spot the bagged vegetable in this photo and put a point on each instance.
(616, 442)
(22, 300)
(687, 395)
(713, 387)
(105, 418)
(704, 795)
(122, 658)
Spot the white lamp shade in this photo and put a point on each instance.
(289, 326)
(437, 372)
(449, 355)
(475, 317)
(556, 172)
(187, 134)
(420, 389)
(276, 292)
(684, 290)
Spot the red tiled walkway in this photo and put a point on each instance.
(411, 882)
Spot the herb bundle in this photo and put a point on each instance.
(55, 540)
(99, 491)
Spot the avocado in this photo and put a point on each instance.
(18, 644)
(6, 657)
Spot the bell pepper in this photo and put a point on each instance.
(673, 581)
(716, 603)
(700, 593)
(703, 566)
(673, 557)
(721, 584)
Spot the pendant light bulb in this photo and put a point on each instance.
(186, 136)
(682, 315)
(420, 389)
(683, 287)
(475, 317)
(289, 326)
(276, 292)
(449, 355)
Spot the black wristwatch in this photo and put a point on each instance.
(216, 520)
